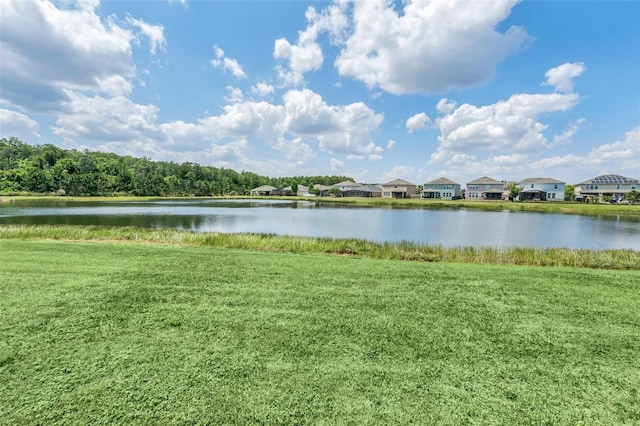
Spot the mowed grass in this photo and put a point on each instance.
(112, 332)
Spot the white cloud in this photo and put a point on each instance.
(336, 165)
(445, 106)
(227, 64)
(398, 172)
(427, 47)
(262, 89)
(306, 55)
(105, 119)
(15, 124)
(339, 129)
(562, 76)
(507, 126)
(234, 95)
(417, 122)
(155, 34)
(81, 50)
(391, 144)
(570, 132)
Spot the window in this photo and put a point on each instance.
(555, 186)
(532, 185)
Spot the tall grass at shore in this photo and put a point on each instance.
(407, 251)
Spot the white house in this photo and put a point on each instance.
(542, 189)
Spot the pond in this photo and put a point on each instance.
(448, 227)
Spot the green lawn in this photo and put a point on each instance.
(103, 333)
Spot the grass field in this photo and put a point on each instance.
(113, 332)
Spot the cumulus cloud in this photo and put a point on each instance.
(234, 95)
(81, 51)
(428, 46)
(445, 106)
(306, 54)
(227, 64)
(15, 124)
(417, 122)
(262, 89)
(302, 122)
(561, 77)
(512, 126)
(391, 144)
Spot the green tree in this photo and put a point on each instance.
(633, 196)
(294, 188)
(569, 193)
(335, 192)
(514, 190)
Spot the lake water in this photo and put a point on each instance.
(448, 227)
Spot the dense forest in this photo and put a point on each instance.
(47, 169)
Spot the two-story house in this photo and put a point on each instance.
(442, 188)
(485, 188)
(398, 188)
(614, 186)
(541, 189)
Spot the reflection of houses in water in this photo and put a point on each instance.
(541, 189)
(614, 186)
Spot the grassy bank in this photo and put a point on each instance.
(146, 333)
(600, 259)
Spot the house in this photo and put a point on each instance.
(614, 186)
(323, 190)
(350, 188)
(263, 190)
(399, 188)
(441, 188)
(288, 191)
(541, 189)
(485, 188)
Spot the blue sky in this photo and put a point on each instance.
(373, 89)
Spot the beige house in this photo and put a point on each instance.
(614, 186)
(263, 190)
(399, 188)
(485, 188)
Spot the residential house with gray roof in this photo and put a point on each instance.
(485, 188)
(441, 188)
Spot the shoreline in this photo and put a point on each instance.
(413, 203)
(614, 259)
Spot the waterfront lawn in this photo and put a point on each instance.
(146, 333)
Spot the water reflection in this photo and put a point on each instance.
(447, 226)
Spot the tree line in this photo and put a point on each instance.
(46, 169)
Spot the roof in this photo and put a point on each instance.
(610, 179)
(399, 182)
(442, 181)
(541, 180)
(346, 183)
(264, 188)
(485, 180)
